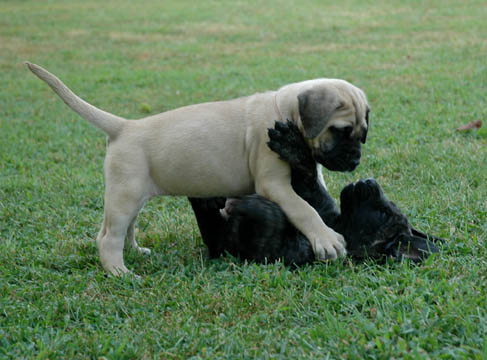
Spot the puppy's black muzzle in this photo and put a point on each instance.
(344, 156)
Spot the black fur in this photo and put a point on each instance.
(258, 230)
(374, 226)
(212, 225)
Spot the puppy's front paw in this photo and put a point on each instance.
(331, 247)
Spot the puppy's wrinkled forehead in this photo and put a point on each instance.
(354, 107)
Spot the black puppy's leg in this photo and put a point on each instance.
(288, 142)
(210, 223)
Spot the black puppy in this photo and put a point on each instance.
(256, 229)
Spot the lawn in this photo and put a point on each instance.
(423, 65)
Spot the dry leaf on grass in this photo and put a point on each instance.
(477, 124)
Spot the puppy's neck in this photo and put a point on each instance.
(286, 106)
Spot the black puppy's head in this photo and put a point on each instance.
(375, 227)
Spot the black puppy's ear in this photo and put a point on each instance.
(415, 248)
(316, 106)
(426, 236)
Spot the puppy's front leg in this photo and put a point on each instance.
(307, 181)
(326, 243)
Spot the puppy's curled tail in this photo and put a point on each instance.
(109, 123)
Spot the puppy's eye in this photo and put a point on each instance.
(347, 130)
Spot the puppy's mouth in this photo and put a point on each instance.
(340, 152)
(338, 161)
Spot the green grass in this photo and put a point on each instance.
(423, 66)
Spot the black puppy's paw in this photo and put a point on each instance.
(368, 189)
(287, 141)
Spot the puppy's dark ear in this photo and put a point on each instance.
(363, 138)
(364, 134)
(415, 248)
(432, 238)
(316, 106)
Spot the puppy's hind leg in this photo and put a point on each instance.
(123, 200)
(131, 239)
